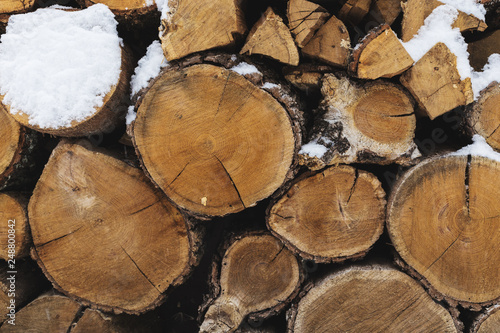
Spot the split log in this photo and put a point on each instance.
(14, 226)
(487, 322)
(229, 142)
(11, 7)
(198, 26)
(435, 83)
(361, 123)
(416, 11)
(353, 11)
(257, 274)
(132, 11)
(385, 11)
(444, 221)
(17, 147)
(483, 117)
(105, 118)
(270, 37)
(28, 282)
(369, 299)
(480, 50)
(141, 243)
(304, 19)
(380, 54)
(331, 216)
(331, 44)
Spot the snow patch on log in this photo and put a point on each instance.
(163, 8)
(244, 68)
(478, 147)
(58, 66)
(148, 67)
(313, 149)
(489, 74)
(470, 7)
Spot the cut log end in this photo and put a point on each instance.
(331, 216)
(304, 19)
(483, 117)
(369, 299)
(257, 274)
(14, 226)
(228, 143)
(75, 216)
(454, 244)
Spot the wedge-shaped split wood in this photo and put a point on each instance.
(331, 44)
(435, 83)
(272, 38)
(483, 116)
(443, 218)
(104, 235)
(380, 54)
(331, 216)
(369, 299)
(416, 11)
(354, 11)
(487, 322)
(360, 123)
(228, 143)
(198, 26)
(258, 274)
(304, 19)
(15, 229)
(385, 11)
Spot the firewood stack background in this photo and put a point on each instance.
(291, 166)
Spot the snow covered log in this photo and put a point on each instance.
(198, 26)
(444, 221)
(257, 276)
(11, 7)
(369, 299)
(143, 244)
(370, 122)
(229, 132)
(14, 229)
(331, 216)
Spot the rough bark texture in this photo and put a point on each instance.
(242, 135)
(270, 37)
(488, 321)
(331, 216)
(369, 299)
(144, 244)
(454, 244)
(360, 123)
(435, 83)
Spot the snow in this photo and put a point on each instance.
(490, 73)
(148, 67)
(244, 68)
(57, 66)
(163, 8)
(469, 7)
(269, 85)
(131, 115)
(313, 149)
(479, 147)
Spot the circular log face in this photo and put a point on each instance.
(13, 215)
(370, 300)
(486, 117)
(444, 220)
(337, 213)
(119, 246)
(10, 133)
(212, 141)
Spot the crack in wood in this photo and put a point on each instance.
(78, 315)
(140, 270)
(58, 238)
(232, 181)
(144, 208)
(178, 175)
(277, 254)
(356, 176)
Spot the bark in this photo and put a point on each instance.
(488, 321)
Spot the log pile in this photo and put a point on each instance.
(265, 148)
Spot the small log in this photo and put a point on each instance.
(20, 282)
(11, 7)
(416, 11)
(369, 299)
(130, 11)
(304, 19)
(435, 83)
(331, 216)
(17, 151)
(257, 274)
(380, 54)
(359, 123)
(353, 11)
(331, 44)
(385, 11)
(14, 226)
(230, 142)
(140, 242)
(454, 246)
(487, 322)
(270, 37)
(483, 116)
(480, 50)
(198, 26)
